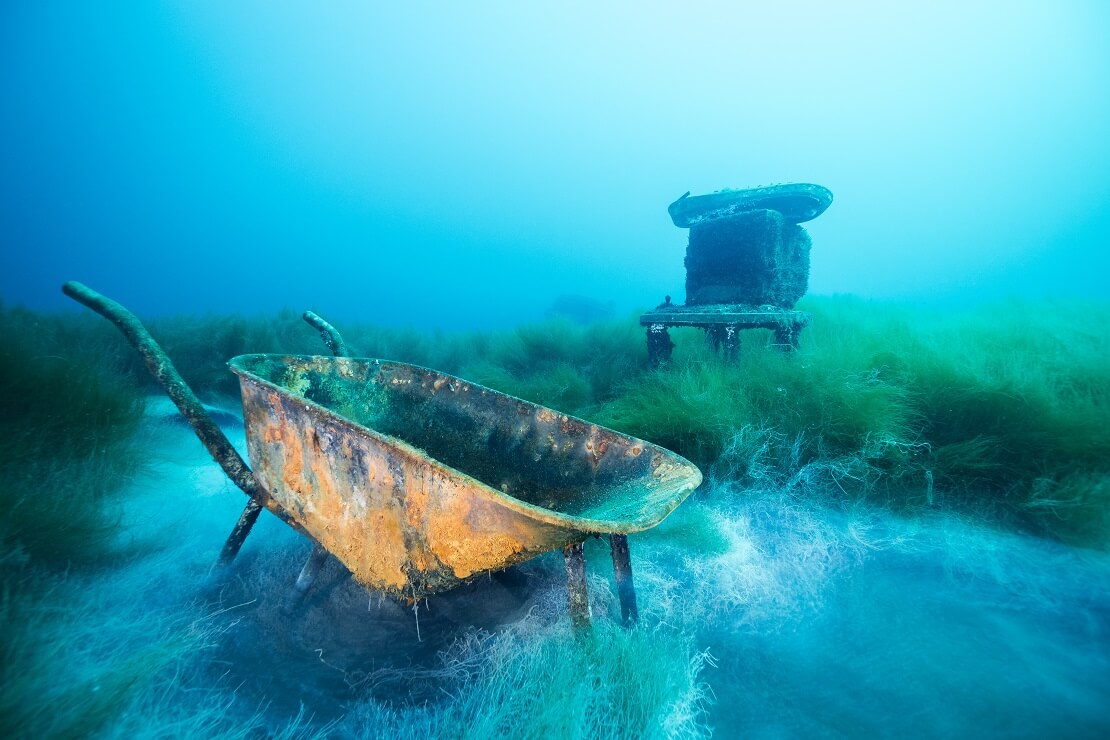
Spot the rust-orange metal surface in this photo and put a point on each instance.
(418, 481)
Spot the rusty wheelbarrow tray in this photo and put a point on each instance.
(418, 481)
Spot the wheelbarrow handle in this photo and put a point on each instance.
(331, 336)
(160, 366)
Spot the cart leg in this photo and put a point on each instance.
(622, 573)
(659, 346)
(724, 339)
(787, 336)
(578, 600)
(713, 337)
(308, 575)
(730, 342)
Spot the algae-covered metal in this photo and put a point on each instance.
(418, 481)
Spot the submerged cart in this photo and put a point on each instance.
(419, 481)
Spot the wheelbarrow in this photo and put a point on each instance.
(418, 481)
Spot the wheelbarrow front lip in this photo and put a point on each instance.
(681, 476)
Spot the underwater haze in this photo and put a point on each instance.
(903, 527)
(448, 165)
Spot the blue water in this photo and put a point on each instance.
(465, 166)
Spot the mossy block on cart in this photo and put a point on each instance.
(756, 257)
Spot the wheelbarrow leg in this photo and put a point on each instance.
(307, 577)
(578, 599)
(622, 573)
(238, 534)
